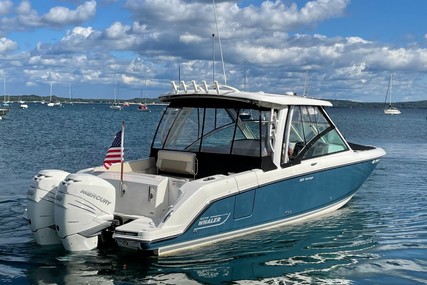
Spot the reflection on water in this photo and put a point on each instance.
(305, 253)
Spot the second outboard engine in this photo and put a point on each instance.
(40, 205)
(84, 206)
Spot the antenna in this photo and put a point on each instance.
(245, 79)
(213, 58)
(219, 41)
(306, 84)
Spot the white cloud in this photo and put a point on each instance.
(7, 45)
(117, 31)
(25, 17)
(65, 16)
(189, 38)
(356, 40)
(138, 28)
(5, 6)
(277, 41)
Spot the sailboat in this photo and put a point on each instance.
(52, 104)
(116, 105)
(70, 95)
(388, 108)
(4, 107)
(5, 100)
(143, 106)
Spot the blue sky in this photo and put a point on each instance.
(349, 47)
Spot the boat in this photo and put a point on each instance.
(210, 175)
(143, 107)
(389, 109)
(23, 106)
(6, 101)
(3, 112)
(51, 103)
(70, 95)
(116, 104)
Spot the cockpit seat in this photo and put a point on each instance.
(177, 162)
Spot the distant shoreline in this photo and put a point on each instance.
(156, 101)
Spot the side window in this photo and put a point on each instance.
(311, 134)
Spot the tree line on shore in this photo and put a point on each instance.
(336, 103)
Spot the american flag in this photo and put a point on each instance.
(115, 153)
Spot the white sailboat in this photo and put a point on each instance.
(4, 107)
(70, 95)
(5, 100)
(50, 104)
(53, 104)
(389, 109)
(116, 105)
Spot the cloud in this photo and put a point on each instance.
(273, 43)
(7, 45)
(63, 16)
(117, 31)
(5, 7)
(25, 17)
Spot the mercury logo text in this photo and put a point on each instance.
(96, 197)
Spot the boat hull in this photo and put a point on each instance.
(392, 111)
(4, 111)
(271, 204)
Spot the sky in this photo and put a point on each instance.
(343, 49)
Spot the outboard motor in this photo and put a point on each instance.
(84, 206)
(40, 205)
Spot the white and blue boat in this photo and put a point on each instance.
(3, 112)
(212, 174)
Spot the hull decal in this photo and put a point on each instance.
(211, 221)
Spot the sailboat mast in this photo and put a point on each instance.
(69, 91)
(4, 89)
(391, 86)
(219, 41)
(50, 93)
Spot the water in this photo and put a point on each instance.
(380, 237)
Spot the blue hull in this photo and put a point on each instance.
(270, 204)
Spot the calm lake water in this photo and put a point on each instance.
(380, 237)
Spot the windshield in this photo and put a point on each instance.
(213, 130)
(312, 134)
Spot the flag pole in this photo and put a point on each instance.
(122, 158)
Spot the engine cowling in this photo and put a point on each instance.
(84, 206)
(40, 205)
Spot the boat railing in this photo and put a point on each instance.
(204, 88)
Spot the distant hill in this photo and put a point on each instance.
(376, 105)
(36, 98)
